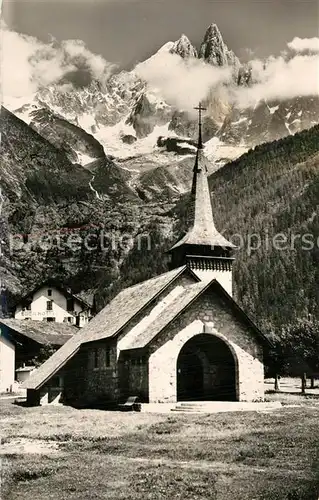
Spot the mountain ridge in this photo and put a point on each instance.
(127, 114)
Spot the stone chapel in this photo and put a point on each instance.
(176, 337)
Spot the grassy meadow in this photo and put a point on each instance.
(57, 452)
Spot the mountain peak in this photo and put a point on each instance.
(184, 48)
(213, 28)
(214, 50)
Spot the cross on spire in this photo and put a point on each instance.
(200, 108)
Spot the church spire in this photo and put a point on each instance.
(202, 230)
(200, 108)
(202, 245)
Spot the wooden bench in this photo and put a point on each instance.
(130, 404)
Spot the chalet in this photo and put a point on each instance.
(54, 303)
(178, 336)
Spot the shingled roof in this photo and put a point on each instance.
(108, 323)
(168, 314)
(180, 303)
(42, 332)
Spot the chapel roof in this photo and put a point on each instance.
(181, 303)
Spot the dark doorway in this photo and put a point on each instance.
(206, 370)
(190, 376)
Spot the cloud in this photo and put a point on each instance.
(304, 44)
(181, 82)
(28, 64)
(280, 78)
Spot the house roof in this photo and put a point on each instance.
(42, 332)
(180, 303)
(108, 323)
(86, 301)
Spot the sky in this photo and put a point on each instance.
(127, 31)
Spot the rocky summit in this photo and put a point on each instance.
(184, 48)
(214, 50)
(125, 116)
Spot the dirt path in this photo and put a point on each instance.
(221, 467)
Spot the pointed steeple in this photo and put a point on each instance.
(202, 248)
(202, 230)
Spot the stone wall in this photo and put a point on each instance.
(212, 315)
(85, 382)
(102, 380)
(138, 378)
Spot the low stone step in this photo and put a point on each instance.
(223, 406)
(188, 410)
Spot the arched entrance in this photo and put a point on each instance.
(206, 370)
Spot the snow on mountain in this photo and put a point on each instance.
(126, 115)
(112, 138)
(184, 48)
(269, 121)
(84, 159)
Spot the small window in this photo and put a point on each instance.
(49, 305)
(50, 319)
(95, 358)
(70, 304)
(49, 292)
(107, 356)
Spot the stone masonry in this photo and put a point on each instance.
(207, 315)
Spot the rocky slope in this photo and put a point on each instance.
(184, 48)
(269, 121)
(79, 146)
(55, 211)
(33, 167)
